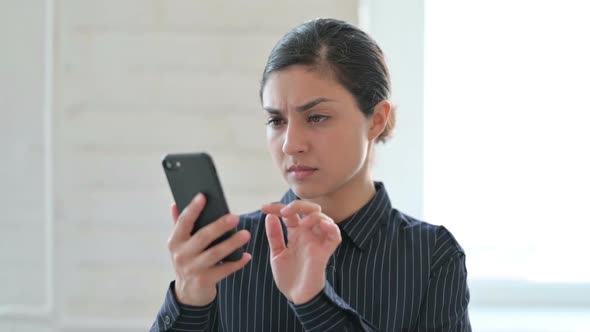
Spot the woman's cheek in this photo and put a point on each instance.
(274, 147)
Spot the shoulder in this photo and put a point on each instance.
(251, 216)
(252, 220)
(441, 246)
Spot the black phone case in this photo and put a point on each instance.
(189, 174)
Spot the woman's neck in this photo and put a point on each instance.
(348, 199)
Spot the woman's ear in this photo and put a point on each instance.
(379, 119)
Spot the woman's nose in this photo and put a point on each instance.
(295, 141)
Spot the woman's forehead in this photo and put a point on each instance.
(296, 85)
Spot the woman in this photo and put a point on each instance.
(333, 254)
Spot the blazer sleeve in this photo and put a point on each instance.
(327, 311)
(174, 316)
(444, 307)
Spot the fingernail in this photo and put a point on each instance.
(198, 198)
(230, 220)
(285, 210)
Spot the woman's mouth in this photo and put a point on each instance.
(300, 172)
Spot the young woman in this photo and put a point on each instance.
(333, 254)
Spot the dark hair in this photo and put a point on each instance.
(342, 50)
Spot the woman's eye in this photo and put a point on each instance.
(317, 118)
(274, 122)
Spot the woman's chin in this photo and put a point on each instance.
(306, 189)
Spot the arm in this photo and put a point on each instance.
(174, 316)
(299, 268)
(328, 312)
(444, 307)
(197, 271)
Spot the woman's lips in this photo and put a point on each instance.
(301, 172)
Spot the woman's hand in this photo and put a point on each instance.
(299, 269)
(197, 271)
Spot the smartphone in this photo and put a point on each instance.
(189, 174)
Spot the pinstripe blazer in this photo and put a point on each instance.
(390, 273)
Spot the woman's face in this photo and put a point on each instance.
(316, 133)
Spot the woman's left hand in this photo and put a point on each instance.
(299, 268)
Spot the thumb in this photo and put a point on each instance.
(274, 234)
(333, 236)
(174, 211)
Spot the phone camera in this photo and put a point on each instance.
(168, 164)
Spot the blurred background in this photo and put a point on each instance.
(492, 127)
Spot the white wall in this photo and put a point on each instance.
(545, 53)
(85, 211)
(22, 150)
(398, 27)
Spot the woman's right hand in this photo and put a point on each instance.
(197, 268)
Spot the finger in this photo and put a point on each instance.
(273, 208)
(331, 230)
(221, 271)
(311, 220)
(174, 211)
(327, 229)
(274, 234)
(317, 230)
(301, 207)
(211, 232)
(291, 220)
(186, 220)
(211, 256)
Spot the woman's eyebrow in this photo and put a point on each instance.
(311, 104)
(301, 108)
